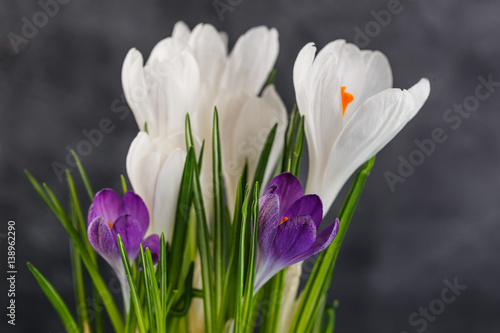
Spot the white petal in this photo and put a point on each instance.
(210, 53)
(301, 70)
(167, 49)
(376, 122)
(420, 92)
(181, 31)
(325, 103)
(135, 88)
(173, 90)
(143, 166)
(167, 189)
(251, 60)
(378, 78)
(166, 145)
(140, 146)
(230, 108)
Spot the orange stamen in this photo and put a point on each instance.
(110, 224)
(346, 99)
(283, 221)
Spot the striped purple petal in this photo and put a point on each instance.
(287, 187)
(107, 204)
(133, 205)
(131, 234)
(268, 221)
(102, 240)
(309, 205)
(293, 238)
(322, 241)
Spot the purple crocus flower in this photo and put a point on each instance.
(288, 226)
(110, 215)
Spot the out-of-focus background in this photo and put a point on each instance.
(438, 224)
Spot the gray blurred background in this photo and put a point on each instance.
(441, 223)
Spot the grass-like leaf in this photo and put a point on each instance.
(83, 174)
(219, 240)
(79, 281)
(183, 209)
(233, 250)
(124, 184)
(248, 296)
(133, 290)
(290, 134)
(162, 268)
(56, 300)
(147, 289)
(200, 158)
(330, 318)
(189, 134)
(239, 320)
(299, 148)
(155, 293)
(204, 249)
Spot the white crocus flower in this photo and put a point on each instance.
(350, 109)
(191, 72)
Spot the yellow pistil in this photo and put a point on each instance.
(110, 224)
(346, 99)
(283, 221)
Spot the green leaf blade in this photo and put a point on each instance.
(219, 240)
(55, 299)
(204, 249)
(133, 290)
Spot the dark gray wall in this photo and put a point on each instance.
(441, 223)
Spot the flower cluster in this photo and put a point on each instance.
(210, 122)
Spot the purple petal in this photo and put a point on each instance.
(103, 241)
(324, 239)
(268, 223)
(131, 233)
(293, 238)
(287, 187)
(134, 206)
(107, 203)
(153, 243)
(91, 214)
(307, 205)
